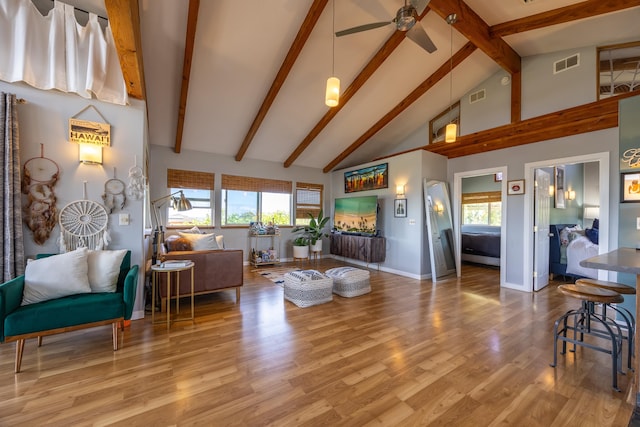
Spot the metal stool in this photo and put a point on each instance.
(626, 315)
(582, 319)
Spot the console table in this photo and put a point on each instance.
(362, 248)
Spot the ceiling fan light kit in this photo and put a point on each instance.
(405, 21)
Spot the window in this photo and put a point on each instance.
(198, 188)
(308, 201)
(482, 208)
(246, 200)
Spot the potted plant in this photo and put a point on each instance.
(301, 247)
(314, 231)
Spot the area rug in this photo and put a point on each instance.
(275, 274)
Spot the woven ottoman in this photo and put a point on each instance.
(307, 287)
(349, 281)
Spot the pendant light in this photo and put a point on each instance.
(452, 129)
(332, 93)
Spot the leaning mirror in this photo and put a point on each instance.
(439, 229)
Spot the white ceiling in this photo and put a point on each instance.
(240, 46)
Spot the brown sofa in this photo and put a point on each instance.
(215, 270)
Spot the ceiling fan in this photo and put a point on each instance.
(405, 20)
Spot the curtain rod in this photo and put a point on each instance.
(84, 11)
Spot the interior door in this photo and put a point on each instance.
(542, 208)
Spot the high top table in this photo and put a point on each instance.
(623, 260)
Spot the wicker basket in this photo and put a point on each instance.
(308, 287)
(349, 281)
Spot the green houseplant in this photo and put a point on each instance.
(301, 247)
(314, 231)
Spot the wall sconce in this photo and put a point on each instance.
(570, 195)
(400, 190)
(90, 154)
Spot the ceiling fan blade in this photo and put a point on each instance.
(420, 5)
(360, 28)
(419, 36)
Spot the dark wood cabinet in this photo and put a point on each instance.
(362, 248)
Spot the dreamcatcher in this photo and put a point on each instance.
(39, 176)
(113, 196)
(83, 224)
(135, 189)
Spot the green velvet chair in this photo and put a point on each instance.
(73, 312)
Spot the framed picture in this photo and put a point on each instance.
(400, 208)
(369, 178)
(630, 187)
(559, 190)
(515, 187)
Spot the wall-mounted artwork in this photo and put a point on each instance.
(369, 178)
(559, 190)
(630, 191)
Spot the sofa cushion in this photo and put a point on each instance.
(56, 276)
(177, 243)
(201, 242)
(64, 312)
(104, 268)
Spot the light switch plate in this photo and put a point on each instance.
(638, 223)
(123, 219)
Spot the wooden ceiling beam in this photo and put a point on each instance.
(190, 39)
(296, 47)
(590, 117)
(470, 25)
(124, 18)
(438, 75)
(582, 10)
(378, 59)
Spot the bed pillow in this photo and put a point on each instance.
(220, 241)
(192, 230)
(565, 233)
(201, 242)
(104, 269)
(592, 235)
(596, 224)
(56, 276)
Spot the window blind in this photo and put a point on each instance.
(259, 185)
(189, 179)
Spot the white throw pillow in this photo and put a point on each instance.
(220, 241)
(193, 230)
(104, 269)
(56, 276)
(201, 242)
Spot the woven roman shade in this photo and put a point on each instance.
(483, 197)
(177, 178)
(308, 199)
(258, 185)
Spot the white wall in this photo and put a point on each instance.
(163, 158)
(407, 250)
(44, 120)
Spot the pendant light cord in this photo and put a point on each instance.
(333, 39)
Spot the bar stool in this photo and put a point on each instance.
(582, 319)
(626, 315)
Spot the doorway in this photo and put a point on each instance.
(467, 180)
(536, 243)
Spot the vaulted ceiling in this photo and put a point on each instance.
(246, 79)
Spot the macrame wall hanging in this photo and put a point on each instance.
(113, 196)
(40, 174)
(135, 189)
(83, 224)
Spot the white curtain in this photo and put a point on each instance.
(55, 52)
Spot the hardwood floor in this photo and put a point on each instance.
(459, 353)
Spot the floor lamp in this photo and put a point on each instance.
(180, 204)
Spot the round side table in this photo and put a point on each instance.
(167, 268)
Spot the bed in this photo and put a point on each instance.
(568, 245)
(481, 244)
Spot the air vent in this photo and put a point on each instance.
(478, 95)
(566, 63)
